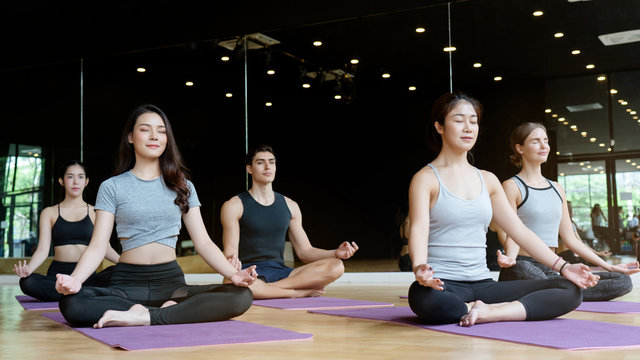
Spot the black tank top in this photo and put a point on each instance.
(263, 229)
(72, 232)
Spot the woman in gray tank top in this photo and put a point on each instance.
(541, 205)
(451, 204)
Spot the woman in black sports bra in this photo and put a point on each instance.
(67, 227)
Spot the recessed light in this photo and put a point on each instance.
(593, 139)
(635, 118)
(538, 13)
(497, 78)
(141, 69)
(224, 58)
(547, 111)
(355, 61)
(554, 115)
(317, 43)
(590, 66)
(449, 49)
(557, 152)
(189, 83)
(633, 113)
(601, 78)
(271, 72)
(613, 91)
(628, 160)
(575, 52)
(561, 174)
(624, 103)
(558, 35)
(306, 86)
(420, 29)
(601, 145)
(337, 97)
(228, 95)
(268, 104)
(412, 88)
(575, 127)
(629, 110)
(565, 123)
(386, 75)
(561, 119)
(477, 65)
(584, 134)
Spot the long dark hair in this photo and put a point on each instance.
(441, 107)
(174, 172)
(63, 170)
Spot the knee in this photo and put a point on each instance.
(71, 312)
(26, 284)
(334, 268)
(242, 300)
(433, 309)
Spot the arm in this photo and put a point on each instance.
(514, 198)
(91, 257)
(230, 217)
(42, 251)
(111, 255)
(302, 245)
(211, 253)
(507, 219)
(420, 189)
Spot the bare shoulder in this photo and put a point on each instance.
(49, 212)
(232, 207)
(292, 205)
(490, 180)
(425, 176)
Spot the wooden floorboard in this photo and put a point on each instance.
(28, 335)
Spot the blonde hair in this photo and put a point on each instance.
(518, 136)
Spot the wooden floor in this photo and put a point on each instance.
(28, 335)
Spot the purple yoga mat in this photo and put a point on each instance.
(185, 335)
(611, 307)
(567, 334)
(318, 303)
(30, 303)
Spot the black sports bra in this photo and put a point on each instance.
(72, 232)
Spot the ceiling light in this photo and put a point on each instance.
(538, 13)
(574, 127)
(575, 52)
(337, 97)
(189, 83)
(618, 38)
(355, 61)
(613, 91)
(386, 75)
(628, 160)
(561, 119)
(141, 69)
(584, 134)
(268, 104)
(561, 174)
(624, 103)
(412, 88)
(271, 72)
(449, 49)
(420, 29)
(629, 110)
(547, 110)
(565, 123)
(593, 139)
(602, 78)
(590, 66)
(558, 35)
(635, 118)
(224, 58)
(633, 113)
(497, 78)
(601, 145)
(317, 43)
(581, 164)
(584, 107)
(557, 152)
(228, 95)
(588, 166)
(477, 65)
(306, 86)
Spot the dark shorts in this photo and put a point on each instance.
(270, 271)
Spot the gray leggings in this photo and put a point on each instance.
(610, 286)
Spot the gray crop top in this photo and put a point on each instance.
(145, 211)
(540, 210)
(458, 234)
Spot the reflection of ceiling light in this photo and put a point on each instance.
(477, 65)
(547, 111)
(618, 38)
(497, 78)
(613, 91)
(602, 78)
(189, 83)
(355, 61)
(449, 49)
(584, 107)
(537, 13)
(228, 95)
(590, 66)
(575, 52)
(306, 86)
(593, 139)
(558, 35)
(386, 75)
(141, 69)
(420, 29)
(224, 58)
(412, 88)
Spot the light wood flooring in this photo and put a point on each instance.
(28, 335)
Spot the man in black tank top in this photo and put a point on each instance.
(256, 224)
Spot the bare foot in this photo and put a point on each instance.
(476, 314)
(135, 316)
(168, 303)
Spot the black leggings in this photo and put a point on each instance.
(542, 299)
(152, 286)
(610, 286)
(43, 287)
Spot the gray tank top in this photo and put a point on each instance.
(458, 234)
(540, 210)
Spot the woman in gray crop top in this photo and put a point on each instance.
(541, 205)
(146, 201)
(451, 204)
(67, 227)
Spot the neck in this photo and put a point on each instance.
(531, 172)
(262, 191)
(72, 201)
(147, 169)
(447, 157)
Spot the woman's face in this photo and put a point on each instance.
(535, 147)
(74, 180)
(460, 128)
(149, 136)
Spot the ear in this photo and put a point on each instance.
(86, 181)
(61, 182)
(439, 128)
(519, 149)
(130, 138)
(248, 167)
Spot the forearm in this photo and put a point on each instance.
(112, 255)
(36, 260)
(511, 249)
(312, 254)
(588, 254)
(89, 262)
(216, 259)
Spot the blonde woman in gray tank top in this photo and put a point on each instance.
(542, 206)
(451, 204)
